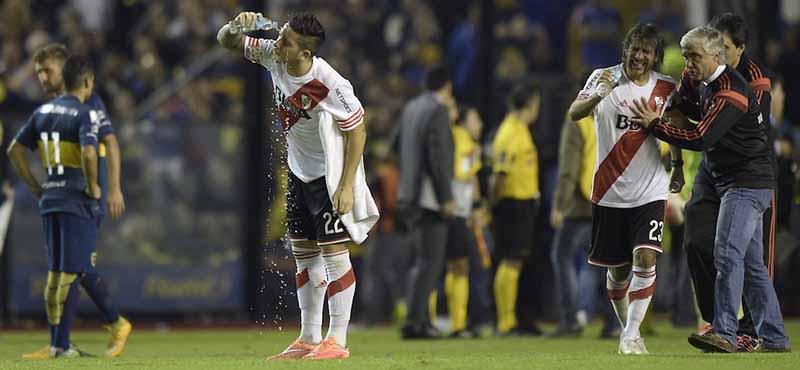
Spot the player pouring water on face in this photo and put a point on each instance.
(630, 184)
(329, 206)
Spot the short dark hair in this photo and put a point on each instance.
(437, 77)
(732, 25)
(311, 31)
(54, 50)
(75, 69)
(522, 94)
(645, 32)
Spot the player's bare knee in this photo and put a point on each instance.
(333, 248)
(305, 244)
(644, 257)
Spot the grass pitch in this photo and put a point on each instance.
(381, 348)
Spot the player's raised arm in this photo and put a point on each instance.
(588, 97)
(235, 40)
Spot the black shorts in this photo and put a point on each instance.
(514, 226)
(618, 232)
(310, 215)
(459, 239)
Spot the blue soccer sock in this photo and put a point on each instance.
(97, 290)
(52, 335)
(64, 327)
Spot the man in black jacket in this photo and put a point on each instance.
(731, 131)
(703, 206)
(424, 142)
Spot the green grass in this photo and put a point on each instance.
(381, 348)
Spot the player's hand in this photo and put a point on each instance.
(556, 219)
(449, 209)
(343, 200)
(644, 114)
(115, 203)
(247, 20)
(676, 180)
(8, 191)
(480, 217)
(93, 191)
(608, 79)
(37, 193)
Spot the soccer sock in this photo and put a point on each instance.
(69, 309)
(53, 329)
(618, 294)
(97, 290)
(641, 292)
(310, 279)
(432, 302)
(456, 287)
(341, 289)
(505, 294)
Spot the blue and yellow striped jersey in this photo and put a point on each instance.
(58, 130)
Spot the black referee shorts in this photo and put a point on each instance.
(514, 226)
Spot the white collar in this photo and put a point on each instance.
(710, 79)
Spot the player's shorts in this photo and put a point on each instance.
(618, 232)
(310, 215)
(71, 242)
(514, 226)
(459, 239)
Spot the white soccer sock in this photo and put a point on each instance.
(618, 294)
(341, 288)
(643, 285)
(311, 286)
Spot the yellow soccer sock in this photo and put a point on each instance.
(432, 306)
(456, 287)
(505, 291)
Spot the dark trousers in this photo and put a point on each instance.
(701, 220)
(430, 240)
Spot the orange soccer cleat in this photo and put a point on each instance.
(295, 351)
(328, 350)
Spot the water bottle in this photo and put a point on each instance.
(603, 89)
(261, 23)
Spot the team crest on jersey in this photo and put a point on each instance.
(292, 108)
(659, 102)
(306, 100)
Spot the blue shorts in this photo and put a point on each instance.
(71, 242)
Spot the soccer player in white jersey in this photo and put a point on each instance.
(630, 183)
(306, 87)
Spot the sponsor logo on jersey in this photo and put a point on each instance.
(343, 101)
(624, 123)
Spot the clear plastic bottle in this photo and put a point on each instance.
(603, 89)
(262, 23)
